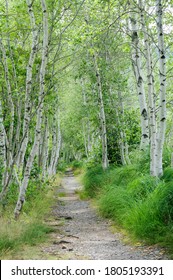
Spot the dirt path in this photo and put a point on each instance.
(85, 235)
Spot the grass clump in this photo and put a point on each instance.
(141, 204)
(114, 203)
(94, 180)
(152, 218)
(35, 233)
(142, 186)
(168, 174)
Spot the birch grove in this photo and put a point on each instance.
(85, 83)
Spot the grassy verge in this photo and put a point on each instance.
(31, 229)
(135, 201)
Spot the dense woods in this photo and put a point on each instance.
(86, 83)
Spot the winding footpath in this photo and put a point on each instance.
(85, 235)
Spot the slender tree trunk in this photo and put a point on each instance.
(3, 163)
(29, 74)
(53, 150)
(34, 150)
(105, 163)
(45, 149)
(137, 67)
(162, 79)
(86, 122)
(58, 147)
(151, 95)
(9, 95)
(124, 145)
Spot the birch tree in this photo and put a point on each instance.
(3, 163)
(34, 150)
(137, 67)
(162, 80)
(105, 162)
(151, 92)
(29, 81)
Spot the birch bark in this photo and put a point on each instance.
(29, 74)
(3, 163)
(123, 137)
(34, 150)
(45, 150)
(137, 67)
(105, 163)
(151, 94)
(86, 122)
(162, 79)
(53, 151)
(9, 95)
(58, 147)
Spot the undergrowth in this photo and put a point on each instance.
(139, 203)
(31, 228)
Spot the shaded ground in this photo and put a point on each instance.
(85, 235)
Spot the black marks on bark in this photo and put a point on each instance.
(144, 113)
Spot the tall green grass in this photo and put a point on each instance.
(31, 228)
(141, 204)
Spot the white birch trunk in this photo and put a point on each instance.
(16, 145)
(85, 137)
(151, 94)
(53, 151)
(162, 79)
(3, 163)
(34, 150)
(9, 96)
(137, 66)
(29, 74)
(45, 151)
(86, 123)
(105, 163)
(124, 144)
(58, 147)
(7, 175)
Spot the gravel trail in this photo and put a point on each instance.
(85, 235)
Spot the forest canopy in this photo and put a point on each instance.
(84, 81)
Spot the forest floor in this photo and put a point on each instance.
(82, 234)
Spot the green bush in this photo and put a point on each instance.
(62, 166)
(76, 164)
